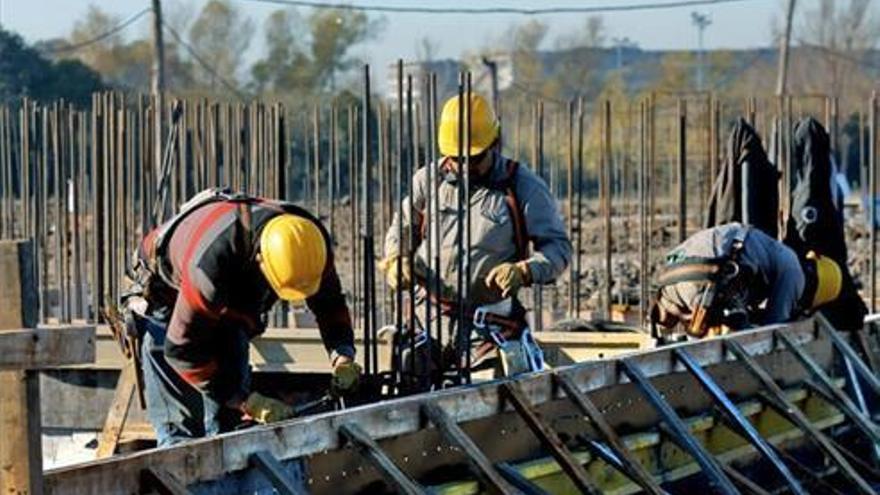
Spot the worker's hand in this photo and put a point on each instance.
(389, 266)
(266, 409)
(345, 377)
(509, 277)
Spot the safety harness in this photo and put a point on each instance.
(723, 300)
(510, 327)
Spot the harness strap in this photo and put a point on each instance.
(508, 186)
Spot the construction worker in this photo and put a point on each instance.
(733, 276)
(697, 289)
(208, 276)
(510, 206)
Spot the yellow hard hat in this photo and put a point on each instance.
(293, 253)
(829, 278)
(484, 126)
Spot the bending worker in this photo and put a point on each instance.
(734, 276)
(510, 207)
(208, 277)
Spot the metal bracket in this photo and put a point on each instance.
(742, 425)
(519, 481)
(850, 353)
(162, 482)
(678, 429)
(841, 401)
(380, 460)
(776, 398)
(480, 465)
(630, 465)
(267, 464)
(550, 439)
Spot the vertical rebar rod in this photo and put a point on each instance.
(367, 230)
(461, 339)
(644, 234)
(570, 201)
(409, 171)
(606, 204)
(537, 288)
(435, 159)
(872, 198)
(402, 234)
(580, 206)
(316, 156)
(465, 296)
(682, 170)
(429, 212)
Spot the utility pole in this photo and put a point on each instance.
(701, 21)
(782, 74)
(619, 45)
(493, 73)
(158, 86)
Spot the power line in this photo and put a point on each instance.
(205, 65)
(598, 9)
(101, 37)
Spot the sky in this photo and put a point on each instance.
(744, 24)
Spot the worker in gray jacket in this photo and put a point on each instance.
(733, 276)
(511, 207)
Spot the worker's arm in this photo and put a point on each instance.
(783, 273)
(551, 246)
(332, 315)
(393, 244)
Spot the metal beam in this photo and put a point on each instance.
(775, 397)
(380, 460)
(549, 439)
(743, 426)
(843, 346)
(480, 465)
(519, 481)
(163, 482)
(678, 429)
(841, 400)
(632, 467)
(267, 464)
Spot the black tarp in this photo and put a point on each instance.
(745, 159)
(815, 222)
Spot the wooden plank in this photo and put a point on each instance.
(21, 463)
(21, 460)
(46, 347)
(19, 303)
(305, 436)
(118, 413)
(302, 350)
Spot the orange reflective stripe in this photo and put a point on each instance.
(198, 374)
(520, 232)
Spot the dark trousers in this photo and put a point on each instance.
(179, 411)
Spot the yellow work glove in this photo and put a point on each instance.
(508, 277)
(266, 409)
(389, 266)
(345, 376)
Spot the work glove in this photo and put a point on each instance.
(508, 278)
(266, 409)
(389, 266)
(345, 376)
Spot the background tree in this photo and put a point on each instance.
(220, 35)
(25, 72)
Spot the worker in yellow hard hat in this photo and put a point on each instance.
(517, 234)
(734, 276)
(209, 275)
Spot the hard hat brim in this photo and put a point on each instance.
(296, 295)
